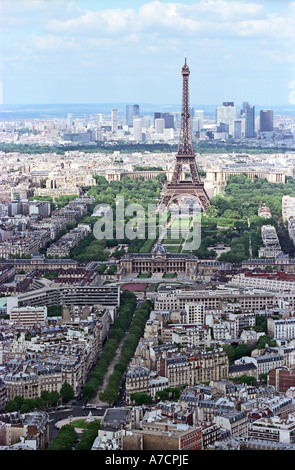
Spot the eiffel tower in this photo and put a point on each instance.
(185, 156)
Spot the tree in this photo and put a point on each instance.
(242, 350)
(162, 395)
(245, 379)
(141, 398)
(65, 439)
(101, 269)
(89, 391)
(230, 351)
(263, 377)
(67, 393)
(54, 398)
(261, 323)
(108, 396)
(89, 435)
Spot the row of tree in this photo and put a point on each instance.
(125, 313)
(140, 317)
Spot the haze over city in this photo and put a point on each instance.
(85, 51)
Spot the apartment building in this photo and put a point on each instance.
(29, 431)
(264, 363)
(176, 369)
(137, 380)
(28, 380)
(192, 336)
(22, 244)
(262, 282)
(71, 295)
(164, 436)
(241, 320)
(172, 298)
(63, 247)
(28, 316)
(271, 242)
(288, 207)
(264, 211)
(282, 378)
(40, 263)
(234, 421)
(283, 328)
(274, 429)
(224, 330)
(194, 368)
(195, 313)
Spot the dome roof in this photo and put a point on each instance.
(159, 249)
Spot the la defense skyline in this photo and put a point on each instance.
(228, 118)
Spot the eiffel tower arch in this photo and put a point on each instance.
(185, 156)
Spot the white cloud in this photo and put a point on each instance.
(227, 10)
(206, 18)
(112, 21)
(48, 43)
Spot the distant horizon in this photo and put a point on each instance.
(60, 110)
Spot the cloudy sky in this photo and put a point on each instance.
(96, 51)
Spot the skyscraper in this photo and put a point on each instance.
(250, 121)
(132, 111)
(114, 120)
(226, 114)
(266, 120)
(168, 118)
(137, 128)
(238, 129)
(159, 126)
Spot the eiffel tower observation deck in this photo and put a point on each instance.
(185, 156)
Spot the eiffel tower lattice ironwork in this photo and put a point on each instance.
(185, 156)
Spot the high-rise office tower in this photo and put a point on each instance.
(157, 115)
(245, 106)
(250, 121)
(198, 120)
(159, 126)
(266, 120)
(114, 120)
(138, 124)
(168, 118)
(226, 114)
(132, 111)
(197, 124)
(238, 129)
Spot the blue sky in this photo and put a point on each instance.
(132, 51)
